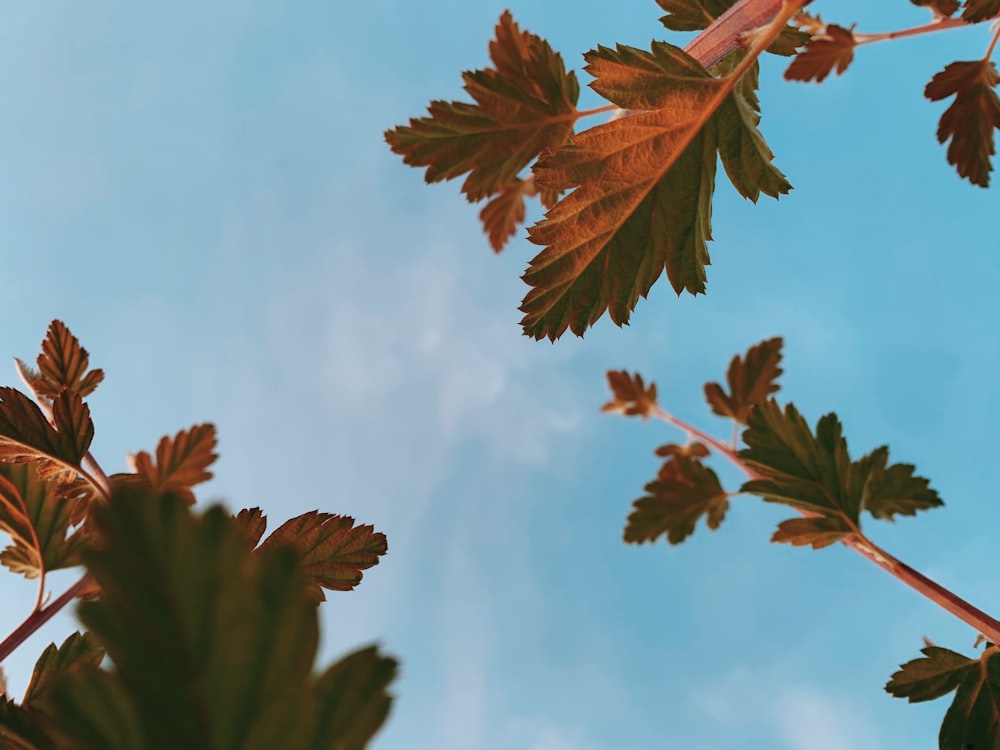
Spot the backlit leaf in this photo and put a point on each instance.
(692, 450)
(643, 189)
(503, 214)
(333, 550)
(894, 489)
(78, 648)
(970, 120)
(973, 719)
(523, 105)
(683, 491)
(691, 15)
(980, 10)
(181, 462)
(21, 729)
(631, 396)
(818, 531)
(63, 363)
(26, 435)
(833, 49)
(253, 523)
(36, 516)
(751, 380)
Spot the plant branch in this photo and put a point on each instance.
(41, 616)
(940, 25)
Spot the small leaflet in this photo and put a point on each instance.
(751, 380)
(833, 49)
(27, 435)
(817, 532)
(973, 719)
(503, 214)
(631, 396)
(63, 364)
(970, 120)
(181, 462)
(980, 10)
(940, 8)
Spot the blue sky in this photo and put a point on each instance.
(202, 193)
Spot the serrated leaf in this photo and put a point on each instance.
(77, 649)
(631, 396)
(940, 8)
(691, 15)
(980, 10)
(684, 491)
(181, 462)
(816, 531)
(353, 701)
(333, 550)
(831, 50)
(970, 120)
(26, 435)
(36, 516)
(253, 523)
(503, 214)
(523, 105)
(893, 489)
(751, 380)
(641, 189)
(973, 719)
(63, 364)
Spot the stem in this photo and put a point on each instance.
(989, 50)
(41, 616)
(927, 28)
(948, 601)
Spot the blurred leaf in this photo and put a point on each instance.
(37, 518)
(525, 104)
(642, 188)
(631, 397)
(824, 52)
(691, 450)
(78, 648)
(751, 380)
(940, 8)
(181, 462)
(970, 120)
(503, 214)
(973, 719)
(684, 491)
(334, 551)
(980, 10)
(692, 15)
(26, 435)
(62, 364)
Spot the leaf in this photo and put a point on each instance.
(333, 550)
(684, 491)
(895, 490)
(832, 49)
(503, 214)
(78, 648)
(26, 435)
(352, 700)
(940, 8)
(62, 365)
(751, 380)
(818, 532)
(643, 189)
(523, 105)
(181, 462)
(37, 517)
(970, 119)
(20, 729)
(631, 396)
(691, 15)
(693, 450)
(253, 523)
(980, 10)
(973, 719)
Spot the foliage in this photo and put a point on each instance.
(631, 197)
(195, 635)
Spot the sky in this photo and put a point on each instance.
(202, 193)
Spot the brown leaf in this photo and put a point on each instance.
(503, 214)
(26, 435)
(632, 397)
(181, 462)
(62, 364)
(834, 48)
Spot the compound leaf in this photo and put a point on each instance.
(631, 396)
(683, 491)
(643, 188)
(181, 462)
(980, 10)
(973, 719)
(36, 516)
(751, 379)
(970, 120)
(63, 364)
(26, 435)
(523, 105)
(78, 648)
(833, 49)
(334, 551)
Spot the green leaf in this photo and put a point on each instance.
(970, 120)
(893, 490)
(818, 532)
(334, 551)
(77, 649)
(691, 15)
(684, 491)
(973, 719)
(833, 49)
(63, 364)
(36, 516)
(940, 8)
(352, 700)
(643, 189)
(980, 10)
(26, 435)
(751, 380)
(523, 105)
(631, 396)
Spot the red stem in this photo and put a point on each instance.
(41, 616)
